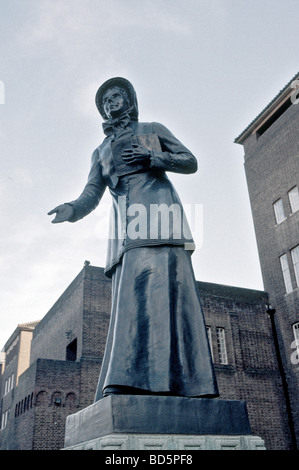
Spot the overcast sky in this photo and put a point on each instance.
(203, 68)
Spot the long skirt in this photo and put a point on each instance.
(157, 341)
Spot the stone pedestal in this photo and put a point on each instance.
(162, 442)
(143, 422)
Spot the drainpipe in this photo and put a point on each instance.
(271, 311)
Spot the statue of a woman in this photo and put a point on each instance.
(157, 341)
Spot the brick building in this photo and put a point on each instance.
(68, 343)
(67, 349)
(66, 354)
(271, 145)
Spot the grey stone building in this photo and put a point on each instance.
(15, 360)
(271, 145)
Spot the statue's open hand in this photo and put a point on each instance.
(64, 212)
(136, 154)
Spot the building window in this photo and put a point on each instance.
(296, 342)
(286, 273)
(12, 381)
(221, 345)
(9, 384)
(296, 330)
(295, 259)
(294, 199)
(279, 211)
(71, 351)
(5, 419)
(209, 333)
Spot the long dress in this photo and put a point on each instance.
(157, 340)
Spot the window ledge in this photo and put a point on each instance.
(226, 367)
(279, 223)
(292, 291)
(294, 213)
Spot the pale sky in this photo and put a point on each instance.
(203, 68)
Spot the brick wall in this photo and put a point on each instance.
(61, 325)
(96, 312)
(57, 394)
(272, 169)
(250, 374)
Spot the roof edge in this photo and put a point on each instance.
(280, 97)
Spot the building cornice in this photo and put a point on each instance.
(268, 111)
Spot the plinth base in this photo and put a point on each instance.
(162, 422)
(161, 442)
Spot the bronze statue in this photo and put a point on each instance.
(157, 341)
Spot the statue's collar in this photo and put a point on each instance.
(118, 123)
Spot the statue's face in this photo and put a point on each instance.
(114, 102)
